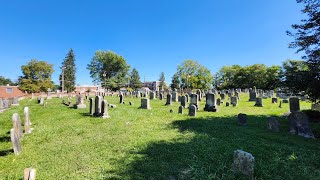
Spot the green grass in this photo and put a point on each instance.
(154, 144)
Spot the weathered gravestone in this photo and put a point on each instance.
(15, 101)
(242, 119)
(273, 124)
(121, 98)
(234, 100)
(29, 174)
(192, 110)
(81, 104)
(294, 104)
(169, 99)
(243, 162)
(194, 100)
(152, 95)
(27, 122)
(274, 100)
(104, 109)
(15, 139)
(180, 110)
(1, 104)
(218, 102)
(174, 95)
(252, 95)
(91, 104)
(199, 94)
(183, 101)
(97, 103)
(6, 104)
(222, 96)
(41, 101)
(299, 124)
(145, 103)
(17, 125)
(258, 102)
(211, 103)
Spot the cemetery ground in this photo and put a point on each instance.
(135, 143)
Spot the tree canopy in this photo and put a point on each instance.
(4, 81)
(69, 70)
(109, 69)
(36, 76)
(162, 80)
(135, 82)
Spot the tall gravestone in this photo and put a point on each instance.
(211, 103)
(91, 110)
(97, 103)
(258, 102)
(169, 98)
(15, 139)
(252, 95)
(174, 95)
(180, 110)
(27, 122)
(183, 101)
(194, 100)
(121, 98)
(294, 104)
(199, 94)
(218, 102)
(161, 96)
(104, 109)
(17, 125)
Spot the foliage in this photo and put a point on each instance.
(69, 68)
(109, 67)
(175, 82)
(258, 75)
(36, 76)
(307, 40)
(135, 82)
(162, 80)
(295, 73)
(4, 81)
(193, 75)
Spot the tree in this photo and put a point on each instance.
(135, 82)
(295, 73)
(4, 81)
(193, 75)
(175, 83)
(69, 70)
(36, 76)
(108, 68)
(307, 40)
(162, 79)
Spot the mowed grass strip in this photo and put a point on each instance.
(154, 144)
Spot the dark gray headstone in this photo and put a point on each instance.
(211, 103)
(180, 110)
(294, 104)
(299, 124)
(242, 119)
(169, 99)
(258, 102)
(274, 100)
(192, 110)
(273, 124)
(145, 103)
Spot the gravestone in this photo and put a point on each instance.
(211, 103)
(183, 101)
(152, 95)
(130, 103)
(299, 124)
(97, 103)
(145, 103)
(243, 162)
(15, 139)
(161, 96)
(294, 104)
(194, 100)
(227, 104)
(222, 96)
(15, 102)
(104, 109)
(27, 122)
(274, 100)
(187, 97)
(242, 119)
(280, 104)
(81, 104)
(169, 98)
(273, 124)
(1, 104)
(180, 110)
(237, 94)
(199, 94)
(252, 96)
(17, 125)
(258, 102)
(91, 104)
(6, 104)
(192, 110)
(174, 96)
(29, 174)
(234, 100)
(121, 98)
(218, 102)
(41, 101)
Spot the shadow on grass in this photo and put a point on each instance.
(86, 114)
(5, 139)
(6, 152)
(205, 151)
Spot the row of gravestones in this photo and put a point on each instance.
(7, 103)
(98, 107)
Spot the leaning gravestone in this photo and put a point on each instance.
(294, 104)
(27, 122)
(15, 139)
(29, 174)
(242, 119)
(211, 103)
(104, 109)
(180, 109)
(258, 102)
(145, 103)
(273, 124)
(274, 100)
(17, 125)
(192, 110)
(169, 99)
(243, 162)
(299, 124)
(194, 100)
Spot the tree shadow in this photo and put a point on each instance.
(205, 151)
(5, 139)
(6, 152)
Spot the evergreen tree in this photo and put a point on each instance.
(162, 81)
(175, 83)
(69, 68)
(135, 82)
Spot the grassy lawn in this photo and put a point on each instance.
(154, 144)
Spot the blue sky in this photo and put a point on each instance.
(152, 35)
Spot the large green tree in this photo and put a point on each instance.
(307, 40)
(68, 72)
(108, 68)
(36, 76)
(175, 82)
(4, 81)
(295, 73)
(194, 76)
(135, 82)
